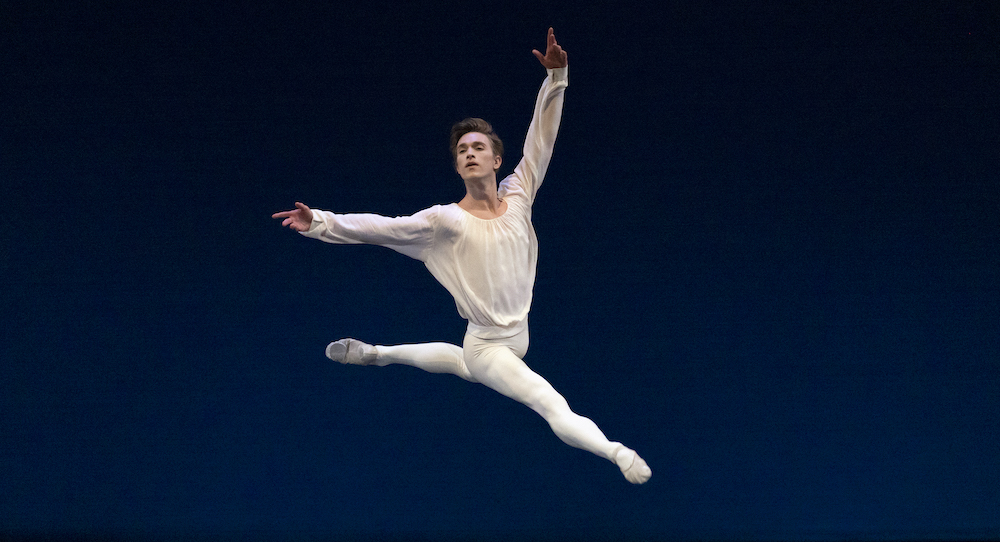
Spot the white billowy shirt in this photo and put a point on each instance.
(487, 265)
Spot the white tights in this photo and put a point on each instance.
(497, 363)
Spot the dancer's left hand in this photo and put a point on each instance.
(554, 56)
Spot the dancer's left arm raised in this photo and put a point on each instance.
(545, 121)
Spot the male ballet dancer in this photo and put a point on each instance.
(483, 250)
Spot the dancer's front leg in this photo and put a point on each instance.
(431, 357)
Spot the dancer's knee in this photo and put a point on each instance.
(547, 402)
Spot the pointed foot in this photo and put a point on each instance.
(351, 352)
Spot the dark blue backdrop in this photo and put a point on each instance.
(769, 262)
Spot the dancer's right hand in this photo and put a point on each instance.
(299, 219)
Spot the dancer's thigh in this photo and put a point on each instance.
(496, 364)
(431, 357)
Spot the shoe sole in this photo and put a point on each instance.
(336, 351)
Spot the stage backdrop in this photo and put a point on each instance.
(768, 262)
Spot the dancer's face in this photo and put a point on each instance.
(475, 156)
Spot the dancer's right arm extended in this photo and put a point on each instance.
(409, 235)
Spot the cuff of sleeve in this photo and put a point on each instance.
(559, 74)
(316, 223)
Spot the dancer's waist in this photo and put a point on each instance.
(497, 332)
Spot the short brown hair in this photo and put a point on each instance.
(475, 125)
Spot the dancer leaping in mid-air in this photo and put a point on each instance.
(483, 250)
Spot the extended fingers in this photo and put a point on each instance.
(300, 207)
(553, 51)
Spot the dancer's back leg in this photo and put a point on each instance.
(500, 367)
